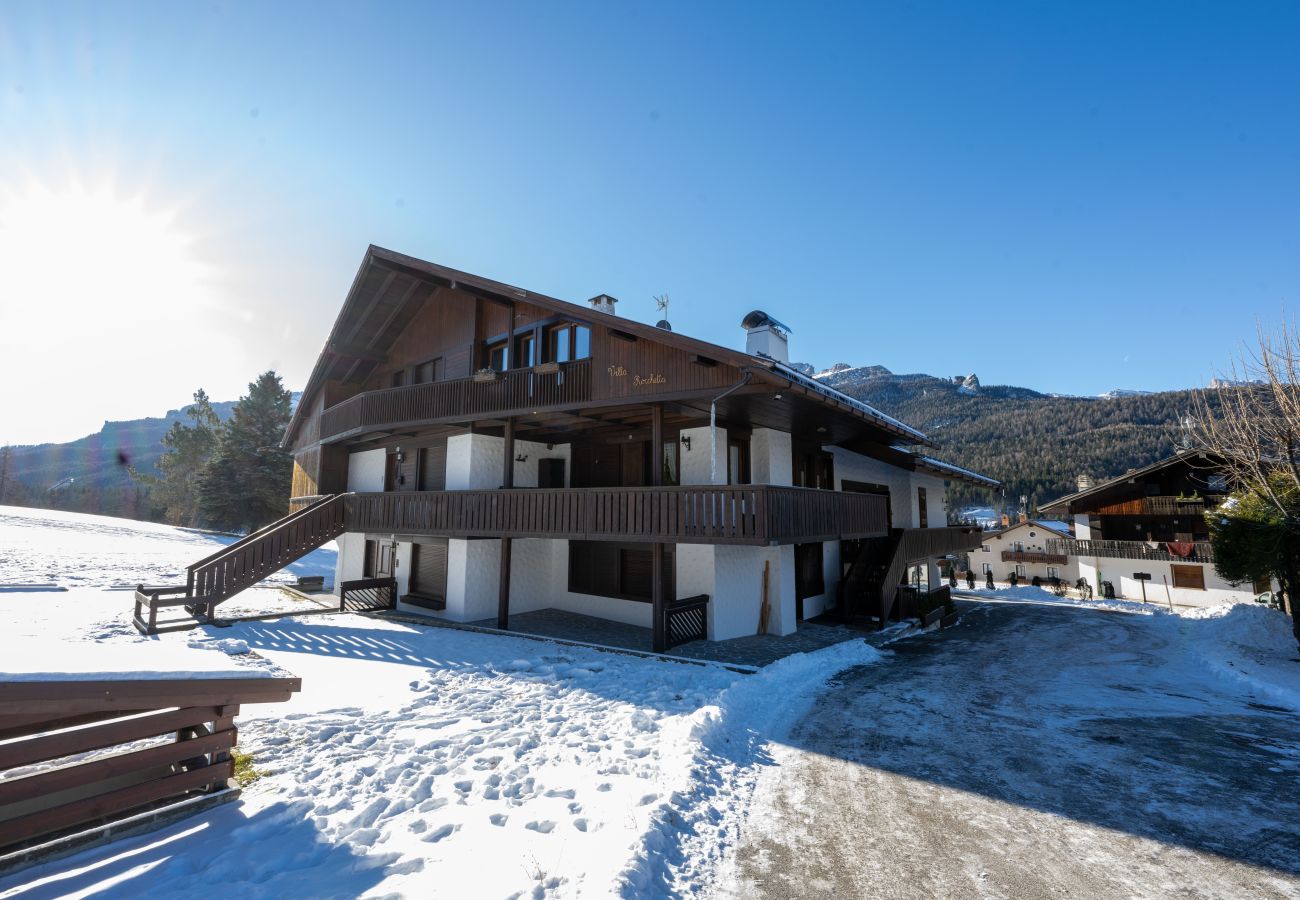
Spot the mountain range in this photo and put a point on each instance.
(1037, 444)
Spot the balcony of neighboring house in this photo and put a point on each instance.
(1160, 506)
(1033, 556)
(1159, 551)
(756, 515)
(543, 386)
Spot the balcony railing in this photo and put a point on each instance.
(517, 389)
(1033, 556)
(1158, 551)
(735, 514)
(1156, 506)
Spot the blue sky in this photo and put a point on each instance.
(1068, 197)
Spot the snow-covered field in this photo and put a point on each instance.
(417, 761)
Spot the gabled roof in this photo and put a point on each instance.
(418, 272)
(1055, 528)
(1198, 458)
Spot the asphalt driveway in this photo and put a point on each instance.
(1032, 751)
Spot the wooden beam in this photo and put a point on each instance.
(508, 463)
(656, 445)
(660, 635)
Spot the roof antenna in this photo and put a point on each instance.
(662, 302)
(1185, 442)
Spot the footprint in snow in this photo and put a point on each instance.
(439, 833)
(567, 793)
(585, 826)
(545, 826)
(498, 819)
(648, 799)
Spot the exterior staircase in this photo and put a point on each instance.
(862, 588)
(242, 564)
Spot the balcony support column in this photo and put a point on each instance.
(507, 481)
(659, 612)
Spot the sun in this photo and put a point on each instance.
(93, 282)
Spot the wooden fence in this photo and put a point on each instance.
(75, 754)
(368, 594)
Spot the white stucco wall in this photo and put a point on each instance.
(771, 457)
(851, 466)
(1034, 538)
(1119, 572)
(695, 467)
(366, 471)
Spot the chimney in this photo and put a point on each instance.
(1083, 482)
(603, 303)
(765, 336)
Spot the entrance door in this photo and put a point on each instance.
(390, 472)
(379, 560)
(550, 473)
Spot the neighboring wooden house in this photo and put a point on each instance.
(1151, 521)
(1022, 549)
(495, 451)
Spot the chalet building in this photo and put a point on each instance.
(1151, 521)
(497, 451)
(1022, 549)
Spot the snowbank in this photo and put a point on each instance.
(1250, 645)
(1029, 593)
(700, 821)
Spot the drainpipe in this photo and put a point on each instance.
(713, 425)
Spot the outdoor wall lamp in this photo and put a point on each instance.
(686, 442)
(401, 457)
(522, 457)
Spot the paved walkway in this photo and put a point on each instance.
(757, 650)
(1030, 752)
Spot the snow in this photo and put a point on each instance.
(422, 761)
(34, 660)
(416, 760)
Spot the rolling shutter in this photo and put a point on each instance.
(433, 467)
(428, 575)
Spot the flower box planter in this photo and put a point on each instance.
(547, 368)
(484, 376)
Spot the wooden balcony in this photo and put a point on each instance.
(930, 543)
(1200, 550)
(1032, 556)
(757, 515)
(1156, 506)
(518, 390)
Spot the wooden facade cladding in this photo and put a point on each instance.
(628, 368)
(738, 514)
(458, 399)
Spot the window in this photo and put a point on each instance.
(987, 549)
(738, 462)
(566, 342)
(624, 571)
(1052, 572)
(399, 378)
(987, 568)
(670, 462)
(1020, 570)
(525, 351)
(428, 371)
(497, 357)
(1192, 577)
(923, 517)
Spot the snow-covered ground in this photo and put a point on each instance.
(436, 762)
(416, 761)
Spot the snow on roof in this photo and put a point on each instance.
(958, 470)
(1062, 527)
(888, 421)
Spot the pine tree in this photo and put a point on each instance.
(4, 473)
(246, 485)
(189, 451)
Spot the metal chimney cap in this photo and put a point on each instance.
(760, 319)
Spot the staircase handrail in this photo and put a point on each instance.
(261, 532)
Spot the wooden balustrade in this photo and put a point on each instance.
(1033, 556)
(732, 514)
(514, 390)
(1201, 551)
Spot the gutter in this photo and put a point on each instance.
(713, 424)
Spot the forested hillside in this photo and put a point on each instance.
(1034, 443)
